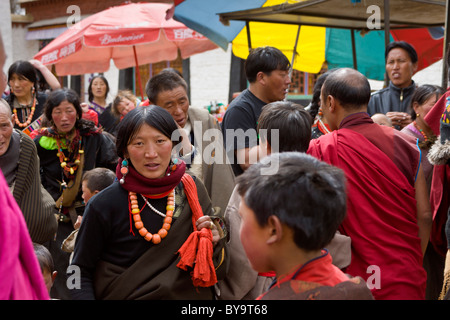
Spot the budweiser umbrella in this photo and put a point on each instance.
(131, 34)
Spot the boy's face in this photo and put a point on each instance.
(87, 194)
(253, 238)
(49, 278)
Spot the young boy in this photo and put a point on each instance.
(92, 182)
(46, 263)
(288, 217)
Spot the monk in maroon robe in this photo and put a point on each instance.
(388, 212)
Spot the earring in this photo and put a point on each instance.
(123, 170)
(417, 115)
(172, 166)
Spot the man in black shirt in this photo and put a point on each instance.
(267, 71)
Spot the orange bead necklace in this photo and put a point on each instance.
(29, 118)
(422, 132)
(139, 225)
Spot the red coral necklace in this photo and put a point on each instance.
(139, 225)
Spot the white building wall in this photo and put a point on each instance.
(5, 29)
(23, 49)
(210, 77)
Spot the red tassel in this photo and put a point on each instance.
(198, 248)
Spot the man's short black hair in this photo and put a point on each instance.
(402, 45)
(265, 59)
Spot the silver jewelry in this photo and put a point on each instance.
(154, 209)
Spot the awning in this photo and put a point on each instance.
(48, 28)
(347, 14)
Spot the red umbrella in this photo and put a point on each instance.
(130, 34)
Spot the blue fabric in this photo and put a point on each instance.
(202, 16)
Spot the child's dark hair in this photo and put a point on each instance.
(44, 257)
(292, 122)
(98, 179)
(306, 194)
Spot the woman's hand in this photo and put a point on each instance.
(206, 222)
(84, 107)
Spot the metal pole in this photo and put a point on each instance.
(294, 53)
(445, 53)
(249, 39)
(387, 33)
(355, 63)
(138, 72)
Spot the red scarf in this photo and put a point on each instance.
(198, 248)
(197, 251)
(136, 182)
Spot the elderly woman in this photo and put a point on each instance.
(70, 146)
(20, 165)
(132, 231)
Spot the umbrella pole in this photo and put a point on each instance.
(387, 33)
(295, 51)
(249, 39)
(355, 63)
(139, 73)
(445, 79)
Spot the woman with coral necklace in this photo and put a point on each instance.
(69, 147)
(151, 234)
(26, 102)
(422, 101)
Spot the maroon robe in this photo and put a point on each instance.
(380, 164)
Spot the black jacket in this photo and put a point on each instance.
(391, 98)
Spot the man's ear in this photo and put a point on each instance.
(414, 67)
(260, 77)
(13, 118)
(331, 103)
(275, 230)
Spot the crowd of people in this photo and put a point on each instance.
(346, 198)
